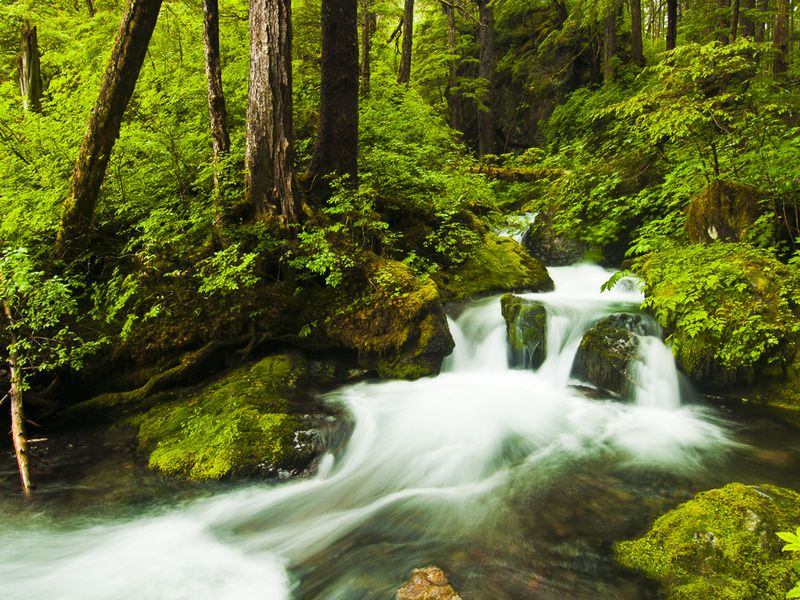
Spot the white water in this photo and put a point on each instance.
(427, 461)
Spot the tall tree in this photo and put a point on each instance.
(637, 54)
(269, 156)
(367, 27)
(220, 139)
(404, 74)
(486, 69)
(760, 21)
(672, 24)
(748, 23)
(780, 39)
(336, 150)
(735, 10)
(105, 120)
(609, 44)
(453, 99)
(30, 78)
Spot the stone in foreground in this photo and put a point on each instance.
(429, 583)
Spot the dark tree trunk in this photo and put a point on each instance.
(119, 81)
(747, 26)
(337, 139)
(453, 99)
(486, 72)
(609, 45)
(780, 39)
(672, 24)
(404, 75)
(735, 6)
(367, 27)
(90, 7)
(637, 54)
(760, 22)
(30, 78)
(269, 156)
(218, 116)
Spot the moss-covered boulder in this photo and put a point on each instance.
(606, 351)
(242, 423)
(497, 265)
(732, 311)
(429, 583)
(526, 326)
(551, 247)
(724, 210)
(720, 545)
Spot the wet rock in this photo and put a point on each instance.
(498, 265)
(541, 240)
(724, 210)
(526, 324)
(606, 351)
(721, 544)
(429, 583)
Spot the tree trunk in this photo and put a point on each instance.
(453, 99)
(218, 116)
(672, 24)
(337, 139)
(269, 156)
(404, 75)
(735, 6)
(90, 8)
(30, 78)
(119, 81)
(780, 39)
(637, 54)
(760, 22)
(747, 26)
(486, 72)
(367, 19)
(609, 45)
(17, 413)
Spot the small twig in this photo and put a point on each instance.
(3, 399)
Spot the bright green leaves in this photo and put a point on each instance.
(792, 545)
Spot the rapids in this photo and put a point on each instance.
(515, 482)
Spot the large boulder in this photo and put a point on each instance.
(551, 247)
(732, 311)
(429, 583)
(721, 544)
(725, 211)
(526, 326)
(245, 422)
(498, 265)
(607, 350)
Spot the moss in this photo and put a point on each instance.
(606, 351)
(498, 265)
(229, 428)
(721, 544)
(526, 322)
(724, 210)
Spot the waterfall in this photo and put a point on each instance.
(428, 471)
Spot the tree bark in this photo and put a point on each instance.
(90, 8)
(735, 7)
(404, 75)
(453, 99)
(17, 414)
(637, 53)
(269, 156)
(780, 39)
(609, 45)
(367, 20)
(747, 25)
(486, 72)
(672, 24)
(105, 120)
(336, 150)
(30, 78)
(218, 115)
(760, 22)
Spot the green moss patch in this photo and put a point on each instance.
(720, 545)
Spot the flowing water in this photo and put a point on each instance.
(516, 482)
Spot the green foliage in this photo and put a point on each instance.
(792, 545)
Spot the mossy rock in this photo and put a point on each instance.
(732, 311)
(526, 327)
(606, 351)
(724, 210)
(498, 265)
(721, 544)
(237, 425)
(542, 241)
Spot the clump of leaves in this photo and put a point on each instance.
(792, 545)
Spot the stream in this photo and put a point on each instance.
(516, 482)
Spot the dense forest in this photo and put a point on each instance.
(301, 193)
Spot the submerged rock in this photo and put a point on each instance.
(721, 544)
(526, 326)
(498, 265)
(429, 583)
(241, 424)
(606, 351)
(724, 210)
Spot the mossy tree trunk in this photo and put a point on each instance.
(30, 77)
(269, 156)
(367, 27)
(735, 11)
(218, 116)
(404, 73)
(747, 24)
(90, 7)
(672, 24)
(17, 413)
(762, 6)
(453, 98)
(609, 44)
(105, 120)
(486, 71)
(336, 150)
(780, 39)
(637, 52)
